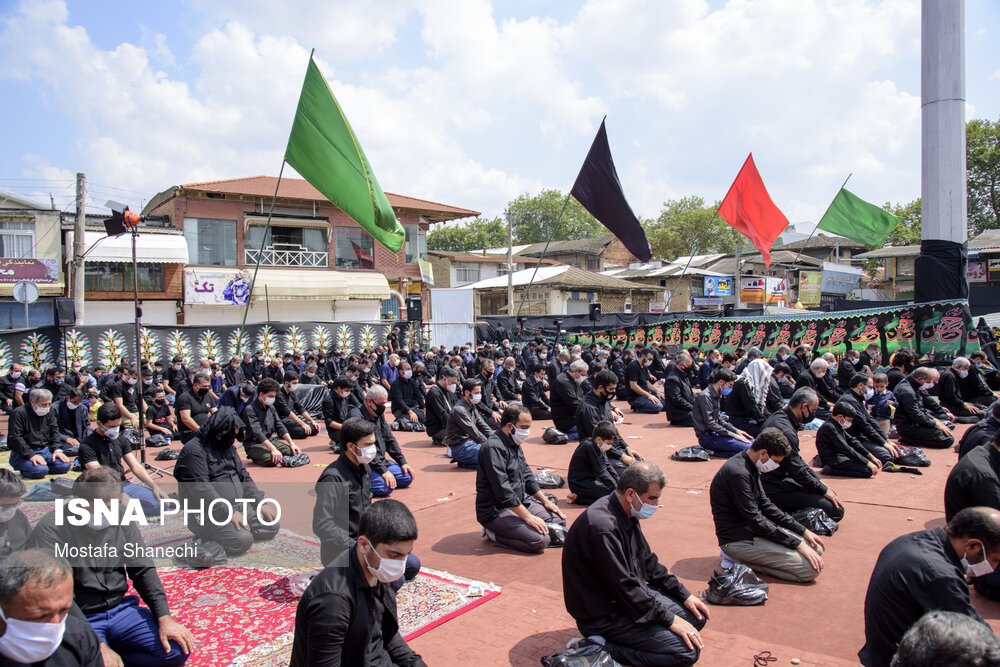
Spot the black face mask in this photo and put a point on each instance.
(378, 410)
(201, 393)
(810, 415)
(224, 441)
(159, 401)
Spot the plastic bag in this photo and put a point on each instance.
(205, 554)
(736, 585)
(168, 455)
(584, 654)
(158, 440)
(548, 480)
(817, 521)
(553, 436)
(294, 461)
(911, 456)
(691, 454)
(557, 535)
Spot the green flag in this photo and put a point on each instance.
(853, 217)
(324, 150)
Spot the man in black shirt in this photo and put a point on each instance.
(38, 593)
(194, 407)
(337, 404)
(124, 394)
(533, 393)
(614, 585)
(177, 380)
(138, 634)
(466, 431)
(981, 433)
(14, 526)
(509, 503)
(914, 423)
(347, 616)
(869, 358)
(406, 394)
(389, 467)
(596, 407)
(642, 397)
(846, 369)
(490, 405)
(950, 394)
(440, 400)
(35, 446)
(55, 382)
(232, 375)
(73, 422)
(864, 428)
(297, 421)
(266, 440)
(753, 530)
(591, 475)
(620, 368)
(507, 383)
(678, 399)
(841, 453)
(565, 394)
(814, 377)
(926, 571)
(210, 473)
(159, 419)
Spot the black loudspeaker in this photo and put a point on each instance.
(414, 308)
(65, 312)
(595, 312)
(728, 309)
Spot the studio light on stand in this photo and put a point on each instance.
(123, 220)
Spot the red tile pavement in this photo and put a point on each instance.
(819, 623)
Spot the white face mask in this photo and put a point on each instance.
(869, 392)
(112, 431)
(72, 406)
(476, 398)
(15, 374)
(177, 367)
(269, 400)
(367, 454)
(40, 411)
(580, 378)
(647, 363)
(979, 569)
(453, 387)
(820, 376)
(520, 435)
(407, 374)
(927, 385)
(29, 642)
(847, 424)
(603, 446)
(963, 374)
(395, 362)
(7, 513)
(766, 466)
(131, 380)
(388, 570)
(218, 374)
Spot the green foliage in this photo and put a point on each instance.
(533, 217)
(685, 226)
(473, 235)
(907, 232)
(982, 151)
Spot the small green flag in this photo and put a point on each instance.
(323, 148)
(853, 217)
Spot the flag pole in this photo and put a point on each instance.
(697, 247)
(806, 243)
(540, 257)
(260, 252)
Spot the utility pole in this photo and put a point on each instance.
(79, 246)
(510, 267)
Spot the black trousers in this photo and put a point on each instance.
(538, 412)
(878, 451)
(296, 431)
(588, 491)
(791, 497)
(848, 469)
(403, 414)
(680, 419)
(924, 436)
(646, 644)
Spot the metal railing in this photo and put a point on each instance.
(282, 255)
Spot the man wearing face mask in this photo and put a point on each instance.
(596, 407)
(642, 397)
(565, 395)
(591, 475)
(124, 394)
(389, 371)
(949, 392)
(407, 397)
(753, 530)
(510, 506)
(35, 447)
(614, 585)
(297, 420)
(209, 470)
(441, 398)
(389, 468)
(14, 526)
(139, 635)
(864, 428)
(194, 407)
(490, 405)
(177, 380)
(337, 405)
(815, 378)
(55, 382)
(346, 482)
(7, 384)
(793, 484)
(29, 378)
(678, 400)
(347, 616)
(926, 571)
(105, 446)
(533, 393)
(36, 594)
(713, 430)
(466, 430)
(266, 440)
(915, 424)
(841, 453)
(73, 422)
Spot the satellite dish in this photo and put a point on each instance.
(25, 292)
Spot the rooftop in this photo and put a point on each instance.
(823, 241)
(594, 247)
(560, 276)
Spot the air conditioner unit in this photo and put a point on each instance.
(628, 305)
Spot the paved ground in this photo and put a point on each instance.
(819, 623)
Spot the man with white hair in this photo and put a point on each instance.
(389, 468)
(565, 395)
(915, 424)
(35, 446)
(814, 377)
(949, 392)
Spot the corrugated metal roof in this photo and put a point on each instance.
(892, 251)
(560, 276)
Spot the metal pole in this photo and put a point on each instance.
(260, 253)
(138, 347)
(697, 247)
(79, 247)
(27, 324)
(540, 257)
(739, 273)
(510, 265)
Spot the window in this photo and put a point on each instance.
(287, 246)
(210, 242)
(503, 269)
(466, 272)
(117, 277)
(17, 240)
(416, 243)
(354, 248)
(593, 264)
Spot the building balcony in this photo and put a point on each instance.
(287, 255)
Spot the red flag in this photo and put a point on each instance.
(749, 210)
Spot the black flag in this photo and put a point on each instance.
(598, 189)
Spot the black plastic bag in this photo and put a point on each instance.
(62, 485)
(168, 455)
(205, 554)
(294, 461)
(584, 654)
(691, 454)
(551, 498)
(736, 585)
(817, 521)
(557, 535)
(158, 440)
(911, 456)
(548, 480)
(553, 436)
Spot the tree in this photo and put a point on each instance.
(982, 164)
(907, 232)
(533, 217)
(473, 235)
(686, 226)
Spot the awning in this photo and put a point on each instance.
(150, 248)
(297, 285)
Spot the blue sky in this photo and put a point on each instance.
(474, 103)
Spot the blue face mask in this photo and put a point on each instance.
(726, 391)
(645, 511)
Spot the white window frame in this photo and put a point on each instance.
(14, 230)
